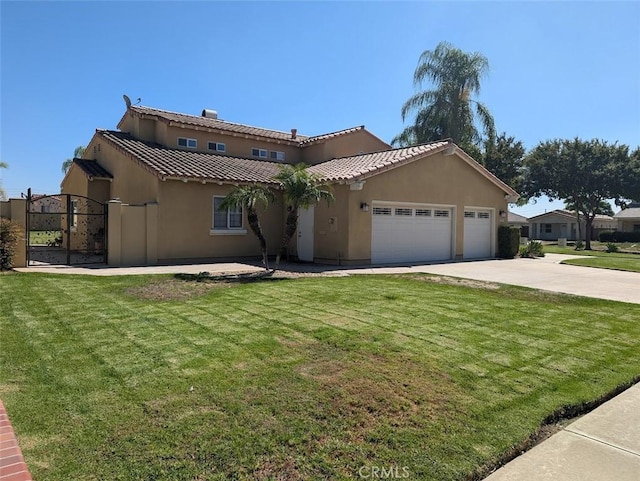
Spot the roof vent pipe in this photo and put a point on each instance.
(294, 133)
(210, 114)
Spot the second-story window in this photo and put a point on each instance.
(217, 146)
(185, 142)
(261, 153)
(275, 155)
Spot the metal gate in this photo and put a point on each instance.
(65, 229)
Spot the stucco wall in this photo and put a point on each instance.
(131, 183)
(185, 214)
(343, 146)
(235, 145)
(443, 180)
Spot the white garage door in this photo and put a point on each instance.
(477, 234)
(410, 233)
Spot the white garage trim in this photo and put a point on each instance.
(479, 232)
(411, 232)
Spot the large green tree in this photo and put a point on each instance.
(77, 154)
(447, 108)
(251, 197)
(504, 156)
(583, 173)
(301, 189)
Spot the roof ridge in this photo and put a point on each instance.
(387, 150)
(200, 117)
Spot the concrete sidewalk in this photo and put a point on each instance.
(603, 445)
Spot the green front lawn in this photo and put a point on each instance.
(598, 258)
(152, 378)
(45, 237)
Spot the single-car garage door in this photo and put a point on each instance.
(410, 233)
(477, 234)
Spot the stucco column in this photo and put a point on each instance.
(152, 233)
(19, 216)
(114, 230)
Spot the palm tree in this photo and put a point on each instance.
(301, 190)
(251, 196)
(446, 111)
(77, 154)
(3, 195)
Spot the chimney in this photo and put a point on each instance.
(294, 132)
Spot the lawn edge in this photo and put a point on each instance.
(560, 415)
(570, 262)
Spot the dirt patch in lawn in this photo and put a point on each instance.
(174, 290)
(457, 281)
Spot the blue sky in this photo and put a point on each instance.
(557, 69)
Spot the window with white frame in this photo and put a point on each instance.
(441, 213)
(548, 228)
(217, 146)
(261, 153)
(423, 212)
(186, 142)
(226, 219)
(276, 155)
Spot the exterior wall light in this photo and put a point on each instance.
(364, 207)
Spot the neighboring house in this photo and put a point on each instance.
(45, 212)
(628, 220)
(516, 220)
(561, 223)
(165, 173)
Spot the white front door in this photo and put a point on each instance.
(305, 234)
(477, 234)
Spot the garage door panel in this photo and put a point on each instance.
(410, 234)
(477, 233)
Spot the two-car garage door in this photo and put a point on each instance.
(414, 233)
(410, 233)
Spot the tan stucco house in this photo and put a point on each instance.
(628, 219)
(561, 223)
(164, 174)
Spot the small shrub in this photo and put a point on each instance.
(579, 245)
(508, 241)
(532, 249)
(9, 236)
(611, 247)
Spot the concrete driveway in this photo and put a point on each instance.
(543, 273)
(546, 273)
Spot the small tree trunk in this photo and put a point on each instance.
(587, 233)
(254, 224)
(289, 230)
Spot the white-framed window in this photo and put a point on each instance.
(276, 155)
(423, 212)
(483, 215)
(469, 214)
(217, 146)
(548, 228)
(186, 142)
(441, 213)
(404, 212)
(74, 215)
(226, 219)
(382, 211)
(261, 153)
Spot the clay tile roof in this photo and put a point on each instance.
(319, 138)
(217, 124)
(92, 169)
(366, 165)
(180, 164)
